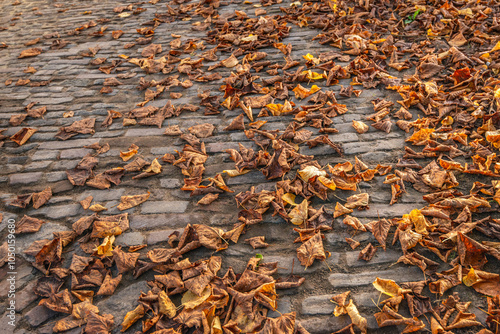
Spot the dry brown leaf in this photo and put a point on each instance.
(23, 135)
(127, 202)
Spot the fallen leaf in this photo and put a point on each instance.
(127, 202)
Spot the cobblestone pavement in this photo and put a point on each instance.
(75, 85)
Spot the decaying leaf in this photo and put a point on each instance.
(311, 250)
(127, 202)
(23, 135)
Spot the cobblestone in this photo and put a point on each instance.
(37, 165)
(348, 280)
(25, 178)
(75, 85)
(39, 314)
(170, 183)
(76, 153)
(168, 221)
(155, 237)
(59, 211)
(74, 143)
(164, 207)
(44, 155)
(130, 239)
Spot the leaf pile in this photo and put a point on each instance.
(441, 58)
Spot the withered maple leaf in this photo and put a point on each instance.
(30, 52)
(127, 202)
(380, 230)
(311, 250)
(28, 224)
(23, 135)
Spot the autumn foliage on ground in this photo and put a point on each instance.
(439, 56)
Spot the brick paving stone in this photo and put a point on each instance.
(56, 176)
(220, 147)
(64, 164)
(25, 178)
(21, 149)
(45, 155)
(24, 274)
(52, 101)
(377, 157)
(164, 150)
(61, 186)
(285, 263)
(251, 177)
(26, 296)
(144, 132)
(59, 211)
(70, 143)
(75, 85)
(317, 305)
(155, 237)
(11, 168)
(381, 256)
(23, 241)
(17, 160)
(384, 210)
(284, 306)
(38, 315)
(170, 183)
(37, 165)
(168, 221)
(130, 239)
(350, 280)
(76, 153)
(164, 207)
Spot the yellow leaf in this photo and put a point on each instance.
(155, 167)
(216, 327)
(289, 198)
(275, 108)
(327, 182)
(448, 120)
(97, 208)
(356, 318)
(250, 38)
(167, 307)
(190, 300)
(496, 47)
(309, 172)
(421, 136)
(302, 93)
(299, 214)
(127, 155)
(419, 221)
(313, 75)
(132, 316)
(387, 286)
(466, 12)
(106, 248)
(471, 278)
(340, 210)
(234, 172)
